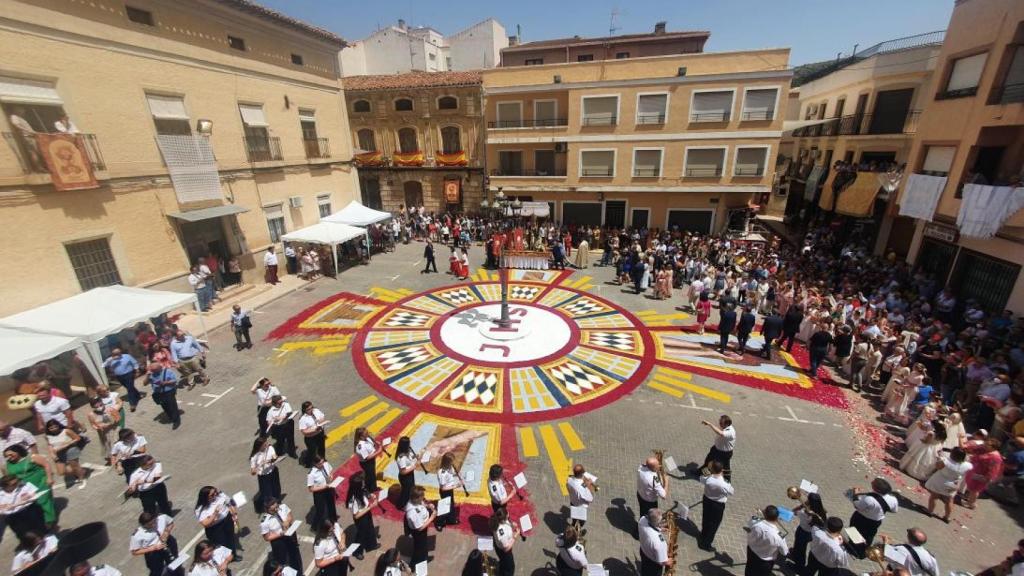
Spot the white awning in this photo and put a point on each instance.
(329, 233)
(253, 115)
(538, 209)
(19, 349)
(167, 107)
(355, 214)
(307, 116)
(21, 91)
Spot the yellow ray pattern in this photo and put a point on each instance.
(561, 464)
(676, 383)
(581, 283)
(484, 275)
(655, 319)
(370, 411)
(322, 347)
(388, 295)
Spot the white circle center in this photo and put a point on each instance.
(533, 333)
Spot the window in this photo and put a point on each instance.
(759, 104)
(750, 161)
(139, 16)
(93, 263)
(307, 122)
(407, 141)
(432, 56)
(646, 163)
(651, 108)
(600, 110)
(711, 106)
(704, 162)
(545, 113)
(323, 204)
(169, 115)
(450, 140)
(510, 114)
(297, 59)
(367, 142)
(447, 62)
(937, 160)
(544, 163)
(447, 103)
(597, 162)
(964, 75)
(621, 55)
(275, 221)
(510, 162)
(840, 104)
(258, 143)
(403, 105)
(236, 43)
(585, 58)
(1012, 88)
(361, 106)
(533, 61)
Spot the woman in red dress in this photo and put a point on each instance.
(703, 311)
(988, 467)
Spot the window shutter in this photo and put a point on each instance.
(647, 159)
(966, 72)
(703, 161)
(545, 110)
(712, 103)
(253, 116)
(18, 91)
(760, 102)
(307, 116)
(939, 158)
(275, 211)
(603, 108)
(653, 104)
(597, 159)
(509, 112)
(167, 107)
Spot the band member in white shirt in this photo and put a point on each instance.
(827, 554)
(419, 514)
(148, 483)
(764, 544)
(32, 549)
(448, 479)
(83, 568)
(654, 556)
(716, 493)
(811, 514)
(498, 488)
(649, 485)
(405, 459)
(282, 426)
(870, 510)
(725, 443)
(368, 450)
(210, 560)
(263, 465)
(19, 508)
(318, 481)
(572, 558)
(217, 515)
(360, 502)
(154, 541)
(311, 425)
(391, 564)
(581, 491)
(125, 453)
(919, 562)
(504, 535)
(264, 391)
(274, 524)
(328, 547)
(10, 435)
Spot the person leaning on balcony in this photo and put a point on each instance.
(27, 136)
(65, 125)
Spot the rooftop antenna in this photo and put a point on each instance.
(612, 28)
(519, 32)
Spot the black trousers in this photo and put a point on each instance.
(270, 487)
(407, 482)
(645, 506)
(766, 348)
(242, 337)
(261, 419)
(324, 507)
(725, 458)
(370, 472)
(419, 545)
(168, 401)
(431, 262)
(723, 341)
(815, 568)
(757, 566)
(790, 337)
(798, 553)
(452, 517)
(710, 520)
(564, 569)
(868, 529)
(315, 446)
(286, 551)
(129, 465)
(284, 438)
(28, 519)
(156, 499)
(366, 532)
(157, 561)
(222, 533)
(649, 567)
(742, 339)
(506, 562)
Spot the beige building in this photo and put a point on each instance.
(419, 138)
(209, 125)
(660, 42)
(972, 131)
(661, 141)
(869, 106)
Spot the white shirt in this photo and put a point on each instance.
(143, 538)
(357, 505)
(648, 485)
(122, 451)
(652, 542)
(279, 414)
(364, 448)
(447, 479)
(17, 436)
(805, 518)
(327, 547)
(766, 543)
(68, 128)
(197, 281)
(144, 480)
(53, 410)
(827, 549)
(272, 523)
(574, 556)
(218, 510)
(504, 536)
(404, 461)
(26, 557)
(726, 441)
(263, 395)
(269, 259)
(929, 561)
(869, 508)
(110, 399)
(17, 499)
(211, 568)
(104, 570)
(497, 490)
(416, 515)
(309, 423)
(319, 476)
(947, 480)
(716, 488)
(579, 494)
(263, 462)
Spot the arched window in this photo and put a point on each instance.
(407, 140)
(447, 103)
(450, 141)
(361, 106)
(367, 141)
(403, 105)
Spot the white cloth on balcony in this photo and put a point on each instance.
(813, 179)
(985, 208)
(921, 196)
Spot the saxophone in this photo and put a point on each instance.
(660, 455)
(669, 519)
(489, 568)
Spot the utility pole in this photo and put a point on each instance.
(612, 28)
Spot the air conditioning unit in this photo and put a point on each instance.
(295, 201)
(561, 147)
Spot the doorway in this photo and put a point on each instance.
(615, 213)
(413, 193)
(370, 192)
(891, 109)
(640, 218)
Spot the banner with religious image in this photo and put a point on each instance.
(453, 191)
(67, 161)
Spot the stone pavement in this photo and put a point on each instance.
(781, 440)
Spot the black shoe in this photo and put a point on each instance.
(176, 425)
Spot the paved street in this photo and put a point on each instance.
(781, 439)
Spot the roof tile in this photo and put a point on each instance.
(413, 80)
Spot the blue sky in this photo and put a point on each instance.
(814, 29)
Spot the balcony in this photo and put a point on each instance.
(521, 172)
(697, 117)
(646, 172)
(959, 93)
(600, 120)
(265, 149)
(1008, 94)
(317, 148)
(597, 171)
(757, 115)
(901, 122)
(649, 118)
(31, 159)
(541, 123)
(748, 171)
(695, 172)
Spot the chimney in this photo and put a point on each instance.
(513, 41)
(659, 27)
(401, 24)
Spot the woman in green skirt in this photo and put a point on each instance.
(35, 470)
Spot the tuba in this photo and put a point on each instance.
(669, 519)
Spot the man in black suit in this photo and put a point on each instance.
(744, 328)
(428, 253)
(790, 326)
(771, 330)
(726, 324)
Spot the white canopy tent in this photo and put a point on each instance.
(328, 233)
(355, 214)
(91, 316)
(21, 349)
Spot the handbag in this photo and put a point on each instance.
(246, 323)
